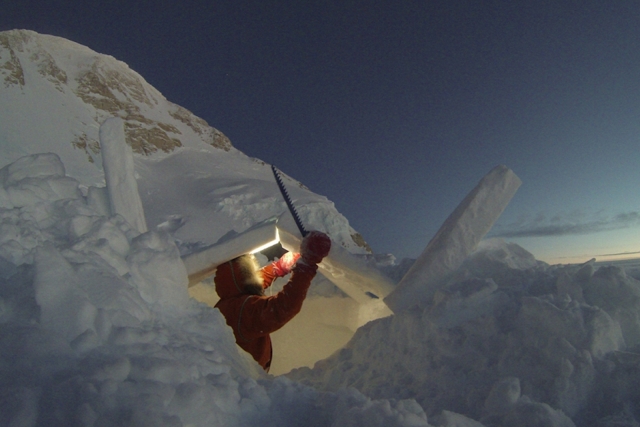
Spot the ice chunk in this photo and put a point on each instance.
(117, 161)
(31, 191)
(20, 406)
(44, 165)
(106, 238)
(605, 334)
(381, 413)
(160, 370)
(120, 303)
(19, 236)
(580, 325)
(117, 370)
(98, 200)
(462, 301)
(456, 239)
(157, 270)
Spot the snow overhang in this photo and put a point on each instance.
(352, 275)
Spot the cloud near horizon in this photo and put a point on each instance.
(559, 226)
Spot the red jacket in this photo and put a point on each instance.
(254, 317)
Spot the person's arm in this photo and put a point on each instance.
(279, 268)
(263, 315)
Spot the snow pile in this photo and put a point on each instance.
(97, 329)
(509, 341)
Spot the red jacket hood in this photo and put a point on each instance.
(228, 280)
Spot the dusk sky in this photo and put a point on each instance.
(395, 110)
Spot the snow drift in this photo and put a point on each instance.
(97, 328)
(510, 341)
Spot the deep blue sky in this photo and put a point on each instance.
(395, 109)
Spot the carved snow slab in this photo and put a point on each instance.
(456, 239)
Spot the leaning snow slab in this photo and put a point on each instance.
(203, 263)
(117, 162)
(456, 239)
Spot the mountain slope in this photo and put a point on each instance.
(55, 94)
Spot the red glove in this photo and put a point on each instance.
(283, 266)
(314, 247)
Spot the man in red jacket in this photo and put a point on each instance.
(253, 316)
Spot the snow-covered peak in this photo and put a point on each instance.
(56, 93)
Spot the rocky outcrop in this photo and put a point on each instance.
(105, 86)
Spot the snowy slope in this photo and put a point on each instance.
(56, 94)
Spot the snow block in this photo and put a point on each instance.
(157, 271)
(31, 191)
(203, 263)
(456, 239)
(44, 165)
(64, 306)
(98, 200)
(119, 173)
(619, 295)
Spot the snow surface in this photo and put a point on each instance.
(97, 329)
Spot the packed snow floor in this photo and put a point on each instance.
(97, 329)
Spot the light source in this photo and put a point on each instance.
(267, 245)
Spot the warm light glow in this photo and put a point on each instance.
(267, 245)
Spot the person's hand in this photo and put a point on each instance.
(314, 247)
(283, 266)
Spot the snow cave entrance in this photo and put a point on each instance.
(321, 327)
(329, 316)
